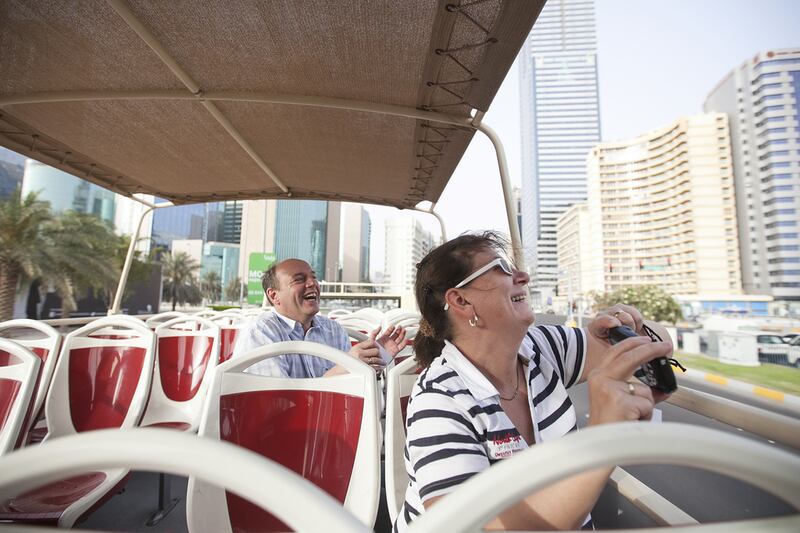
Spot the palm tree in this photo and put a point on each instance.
(24, 249)
(179, 283)
(211, 285)
(140, 269)
(233, 290)
(83, 249)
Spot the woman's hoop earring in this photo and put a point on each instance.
(473, 321)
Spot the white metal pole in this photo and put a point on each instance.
(438, 217)
(123, 278)
(511, 208)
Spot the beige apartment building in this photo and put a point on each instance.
(660, 211)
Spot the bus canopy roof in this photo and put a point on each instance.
(197, 101)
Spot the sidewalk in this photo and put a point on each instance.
(743, 387)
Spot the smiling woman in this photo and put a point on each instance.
(494, 386)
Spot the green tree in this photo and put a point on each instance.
(652, 301)
(141, 265)
(83, 247)
(72, 251)
(233, 290)
(180, 285)
(24, 249)
(211, 285)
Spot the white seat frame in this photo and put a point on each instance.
(59, 421)
(297, 502)
(485, 495)
(51, 342)
(206, 508)
(24, 368)
(156, 320)
(160, 407)
(400, 381)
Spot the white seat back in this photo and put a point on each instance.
(295, 501)
(45, 346)
(19, 370)
(324, 428)
(400, 380)
(187, 353)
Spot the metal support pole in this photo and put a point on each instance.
(511, 207)
(166, 502)
(438, 217)
(123, 278)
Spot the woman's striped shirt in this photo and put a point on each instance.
(456, 427)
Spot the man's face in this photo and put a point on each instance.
(297, 295)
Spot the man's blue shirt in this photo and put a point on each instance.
(272, 327)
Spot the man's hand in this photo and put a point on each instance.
(367, 351)
(393, 339)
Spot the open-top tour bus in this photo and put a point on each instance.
(359, 101)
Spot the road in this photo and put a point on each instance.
(706, 496)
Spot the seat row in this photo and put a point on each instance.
(327, 430)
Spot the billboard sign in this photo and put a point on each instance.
(257, 264)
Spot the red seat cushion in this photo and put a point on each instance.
(227, 341)
(9, 389)
(182, 363)
(45, 505)
(102, 382)
(313, 433)
(180, 426)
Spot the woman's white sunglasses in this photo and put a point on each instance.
(502, 262)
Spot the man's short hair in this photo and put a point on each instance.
(269, 279)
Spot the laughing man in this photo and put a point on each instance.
(293, 290)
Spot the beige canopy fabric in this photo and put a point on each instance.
(206, 100)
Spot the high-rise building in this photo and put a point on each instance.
(66, 192)
(231, 226)
(222, 258)
(309, 230)
(662, 211)
(761, 99)
(407, 242)
(560, 123)
(356, 232)
(12, 168)
(305, 229)
(179, 222)
(575, 239)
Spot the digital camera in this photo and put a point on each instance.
(657, 373)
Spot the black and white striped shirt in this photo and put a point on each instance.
(456, 427)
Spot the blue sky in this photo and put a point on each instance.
(658, 60)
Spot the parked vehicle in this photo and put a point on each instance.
(793, 355)
(789, 337)
(772, 349)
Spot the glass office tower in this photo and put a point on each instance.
(560, 124)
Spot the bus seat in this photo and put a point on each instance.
(399, 381)
(19, 372)
(44, 341)
(229, 324)
(325, 429)
(295, 501)
(98, 383)
(187, 353)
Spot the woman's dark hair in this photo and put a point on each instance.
(443, 268)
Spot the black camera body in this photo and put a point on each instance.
(657, 373)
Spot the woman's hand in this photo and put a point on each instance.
(612, 398)
(618, 315)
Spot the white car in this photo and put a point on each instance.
(794, 352)
(771, 348)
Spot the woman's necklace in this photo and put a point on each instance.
(516, 389)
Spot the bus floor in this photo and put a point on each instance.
(132, 508)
